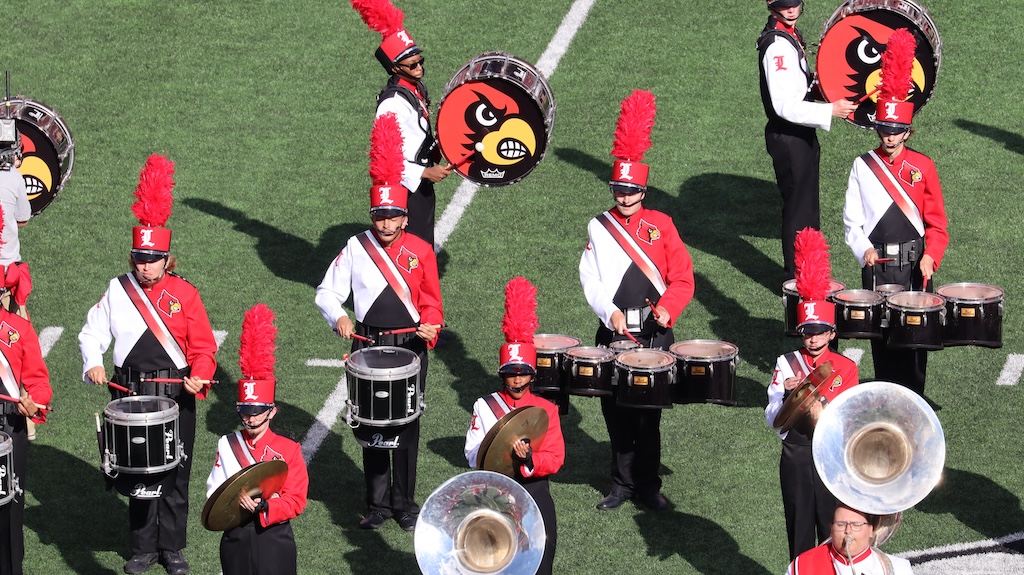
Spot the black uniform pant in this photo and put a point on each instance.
(808, 504)
(540, 490)
(634, 433)
(795, 155)
(422, 204)
(162, 524)
(907, 367)
(253, 550)
(12, 515)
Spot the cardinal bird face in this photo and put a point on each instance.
(500, 116)
(850, 60)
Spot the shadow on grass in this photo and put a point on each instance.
(704, 544)
(1009, 140)
(757, 338)
(990, 509)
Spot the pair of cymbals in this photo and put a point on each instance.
(798, 404)
(222, 510)
(495, 453)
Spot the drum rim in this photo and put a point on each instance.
(939, 304)
(543, 349)
(389, 422)
(6, 443)
(1000, 293)
(733, 348)
(880, 298)
(642, 368)
(787, 290)
(624, 344)
(167, 414)
(367, 372)
(606, 354)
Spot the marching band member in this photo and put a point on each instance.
(264, 544)
(849, 551)
(808, 504)
(24, 376)
(634, 254)
(160, 329)
(894, 209)
(789, 135)
(518, 357)
(392, 277)
(405, 96)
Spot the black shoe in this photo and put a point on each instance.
(655, 501)
(373, 521)
(140, 562)
(613, 500)
(407, 521)
(174, 562)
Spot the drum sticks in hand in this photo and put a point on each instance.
(477, 148)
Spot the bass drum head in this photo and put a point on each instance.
(849, 58)
(503, 103)
(48, 149)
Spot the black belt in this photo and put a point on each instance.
(133, 380)
(8, 408)
(902, 253)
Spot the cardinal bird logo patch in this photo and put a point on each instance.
(168, 304)
(647, 233)
(270, 455)
(910, 174)
(836, 383)
(407, 260)
(8, 335)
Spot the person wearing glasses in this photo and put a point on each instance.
(790, 136)
(850, 549)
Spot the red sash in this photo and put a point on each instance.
(498, 406)
(892, 185)
(155, 324)
(10, 384)
(796, 363)
(375, 251)
(633, 251)
(241, 453)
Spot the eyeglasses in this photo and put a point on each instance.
(854, 526)
(414, 65)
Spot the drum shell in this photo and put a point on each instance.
(140, 434)
(974, 315)
(790, 299)
(6, 469)
(383, 386)
(591, 372)
(859, 313)
(705, 371)
(552, 376)
(915, 320)
(645, 386)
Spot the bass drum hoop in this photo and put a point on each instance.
(46, 120)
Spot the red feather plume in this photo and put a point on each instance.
(380, 15)
(898, 66)
(633, 128)
(520, 320)
(2, 242)
(156, 180)
(257, 344)
(813, 271)
(386, 159)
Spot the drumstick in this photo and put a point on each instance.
(654, 310)
(869, 94)
(121, 388)
(14, 400)
(884, 260)
(477, 147)
(410, 329)
(362, 338)
(635, 340)
(169, 380)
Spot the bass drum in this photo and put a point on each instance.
(48, 148)
(383, 386)
(850, 56)
(504, 104)
(974, 314)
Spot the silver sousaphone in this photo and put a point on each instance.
(879, 448)
(479, 522)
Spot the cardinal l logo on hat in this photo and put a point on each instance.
(624, 171)
(250, 391)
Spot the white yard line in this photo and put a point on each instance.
(1012, 370)
(48, 338)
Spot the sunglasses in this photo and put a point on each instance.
(414, 65)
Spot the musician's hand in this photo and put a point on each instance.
(663, 317)
(815, 410)
(436, 173)
(843, 108)
(27, 407)
(870, 257)
(97, 375)
(522, 449)
(194, 385)
(345, 327)
(246, 502)
(618, 322)
(427, 332)
(927, 265)
(791, 383)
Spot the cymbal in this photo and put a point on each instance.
(222, 510)
(495, 453)
(799, 401)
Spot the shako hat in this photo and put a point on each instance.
(396, 43)
(151, 241)
(518, 355)
(893, 111)
(388, 197)
(632, 139)
(256, 358)
(814, 314)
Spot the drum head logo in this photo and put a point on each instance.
(850, 61)
(48, 150)
(500, 116)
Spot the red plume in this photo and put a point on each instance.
(256, 345)
(2, 242)
(386, 159)
(813, 271)
(156, 180)
(898, 66)
(520, 320)
(633, 129)
(380, 15)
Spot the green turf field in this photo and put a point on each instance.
(266, 108)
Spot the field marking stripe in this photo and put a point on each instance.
(855, 354)
(1012, 370)
(48, 338)
(547, 64)
(315, 362)
(961, 548)
(325, 420)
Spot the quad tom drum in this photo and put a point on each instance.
(645, 378)
(706, 371)
(974, 314)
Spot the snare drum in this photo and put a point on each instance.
(140, 434)
(645, 378)
(383, 386)
(49, 149)
(706, 371)
(6, 469)
(551, 374)
(849, 58)
(503, 103)
(590, 370)
(791, 299)
(858, 313)
(974, 314)
(915, 320)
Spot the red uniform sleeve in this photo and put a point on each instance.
(292, 497)
(936, 236)
(678, 274)
(550, 456)
(200, 345)
(34, 376)
(428, 302)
